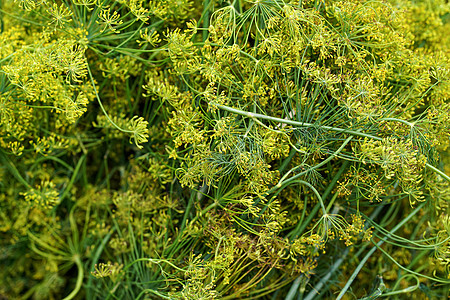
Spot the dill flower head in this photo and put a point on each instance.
(44, 195)
(138, 128)
(332, 226)
(103, 270)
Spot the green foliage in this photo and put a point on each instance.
(224, 149)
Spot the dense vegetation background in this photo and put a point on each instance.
(213, 149)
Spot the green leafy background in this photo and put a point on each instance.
(213, 149)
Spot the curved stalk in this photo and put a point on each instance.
(294, 123)
(101, 104)
(333, 155)
(374, 248)
(303, 124)
(399, 120)
(153, 292)
(80, 277)
(317, 194)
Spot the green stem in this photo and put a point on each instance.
(79, 278)
(101, 105)
(287, 160)
(294, 288)
(127, 40)
(374, 248)
(294, 123)
(153, 292)
(7, 57)
(405, 290)
(205, 211)
(302, 225)
(205, 17)
(317, 194)
(445, 176)
(13, 169)
(332, 202)
(281, 182)
(398, 120)
(330, 272)
(321, 285)
(73, 178)
(303, 124)
(409, 271)
(154, 261)
(185, 216)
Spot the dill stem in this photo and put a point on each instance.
(101, 104)
(398, 120)
(324, 210)
(374, 248)
(333, 155)
(212, 205)
(321, 285)
(186, 213)
(79, 278)
(154, 261)
(330, 272)
(294, 123)
(205, 17)
(153, 292)
(407, 270)
(443, 175)
(10, 166)
(303, 124)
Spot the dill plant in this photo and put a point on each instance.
(240, 149)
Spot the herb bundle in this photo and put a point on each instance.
(224, 149)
